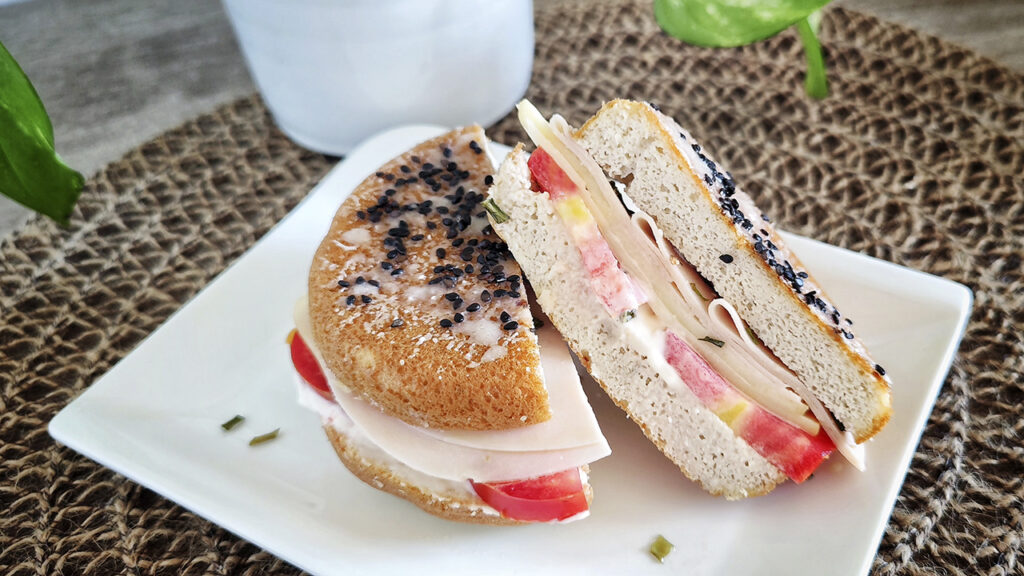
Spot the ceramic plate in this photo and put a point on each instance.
(155, 417)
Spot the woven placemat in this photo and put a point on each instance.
(915, 158)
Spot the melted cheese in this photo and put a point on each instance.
(571, 438)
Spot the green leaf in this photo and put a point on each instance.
(816, 81)
(31, 173)
(728, 23)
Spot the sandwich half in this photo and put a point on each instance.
(684, 302)
(417, 347)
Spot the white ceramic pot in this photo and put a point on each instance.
(333, 72)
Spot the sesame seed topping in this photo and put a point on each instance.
(373, 283)
(505, 317)
(510, 325)
(488, 180)
(473, 307)
(343, 284)
(725, 258)
(397, 323)
(446, 323)
(879, 369)
(459, 318)
(366, 299)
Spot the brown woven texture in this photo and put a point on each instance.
(915, 158)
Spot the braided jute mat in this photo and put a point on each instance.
(916, 157)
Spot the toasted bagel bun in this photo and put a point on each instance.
(673, 418)
(709, 220)
(417, 306)
(458, 506)
(450, 505)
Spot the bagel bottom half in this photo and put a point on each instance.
(450, 506)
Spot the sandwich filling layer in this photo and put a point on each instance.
(679, 321)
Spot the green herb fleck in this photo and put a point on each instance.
(697, 290)
(495, 211)
(238, 419)
(627, 315)
(262, 438)
(661, 548)
(31, 173)
(714, 341)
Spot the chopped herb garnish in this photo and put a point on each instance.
(714, 341)
(627, 316)
(697, 290)
(661, 548)
(262, 438)
(233, 422)
(494, 210)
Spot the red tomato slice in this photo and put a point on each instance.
(307, 366)
(544, 499)
(550, 176)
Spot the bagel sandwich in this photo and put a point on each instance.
(417, 347)
(683, 301)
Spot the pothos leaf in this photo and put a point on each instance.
(31, 173)
(816, 82)
(728, 23)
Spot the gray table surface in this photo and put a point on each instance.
(115, 73)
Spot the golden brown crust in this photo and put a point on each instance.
(382, 335)
(449, 507)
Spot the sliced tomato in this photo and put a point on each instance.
(550, 176)
(307, 366)
(544, 499)
(787, 447)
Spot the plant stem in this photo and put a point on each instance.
(816, 82)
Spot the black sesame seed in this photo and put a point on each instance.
(510, 325)
(801, 274)
(457, 304)
(458, 242)
(514, 294)
(390, 192)
(350, 300)
(385, 265)
(360, 280)
(459, 318)
(848, 335)
(469, 269)
(725, 258)
(447, 152)
(397, 272)
(392, 254)
(452, 233)
(415, 159)
(848, 321)
(451, 296)
(405, 169)
(765, 218)
(343, 283)
(361, 215)
(366, 299)
(488, 180)
(381, 174)
(466, 254)
(397, 322)
(505, 317)
(499, 293)
(416, 237)
(485, 296)
(373, 283)
(473, 307)
(446, 323)
(431, 225)
(879, 369)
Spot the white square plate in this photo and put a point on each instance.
(155, 417)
